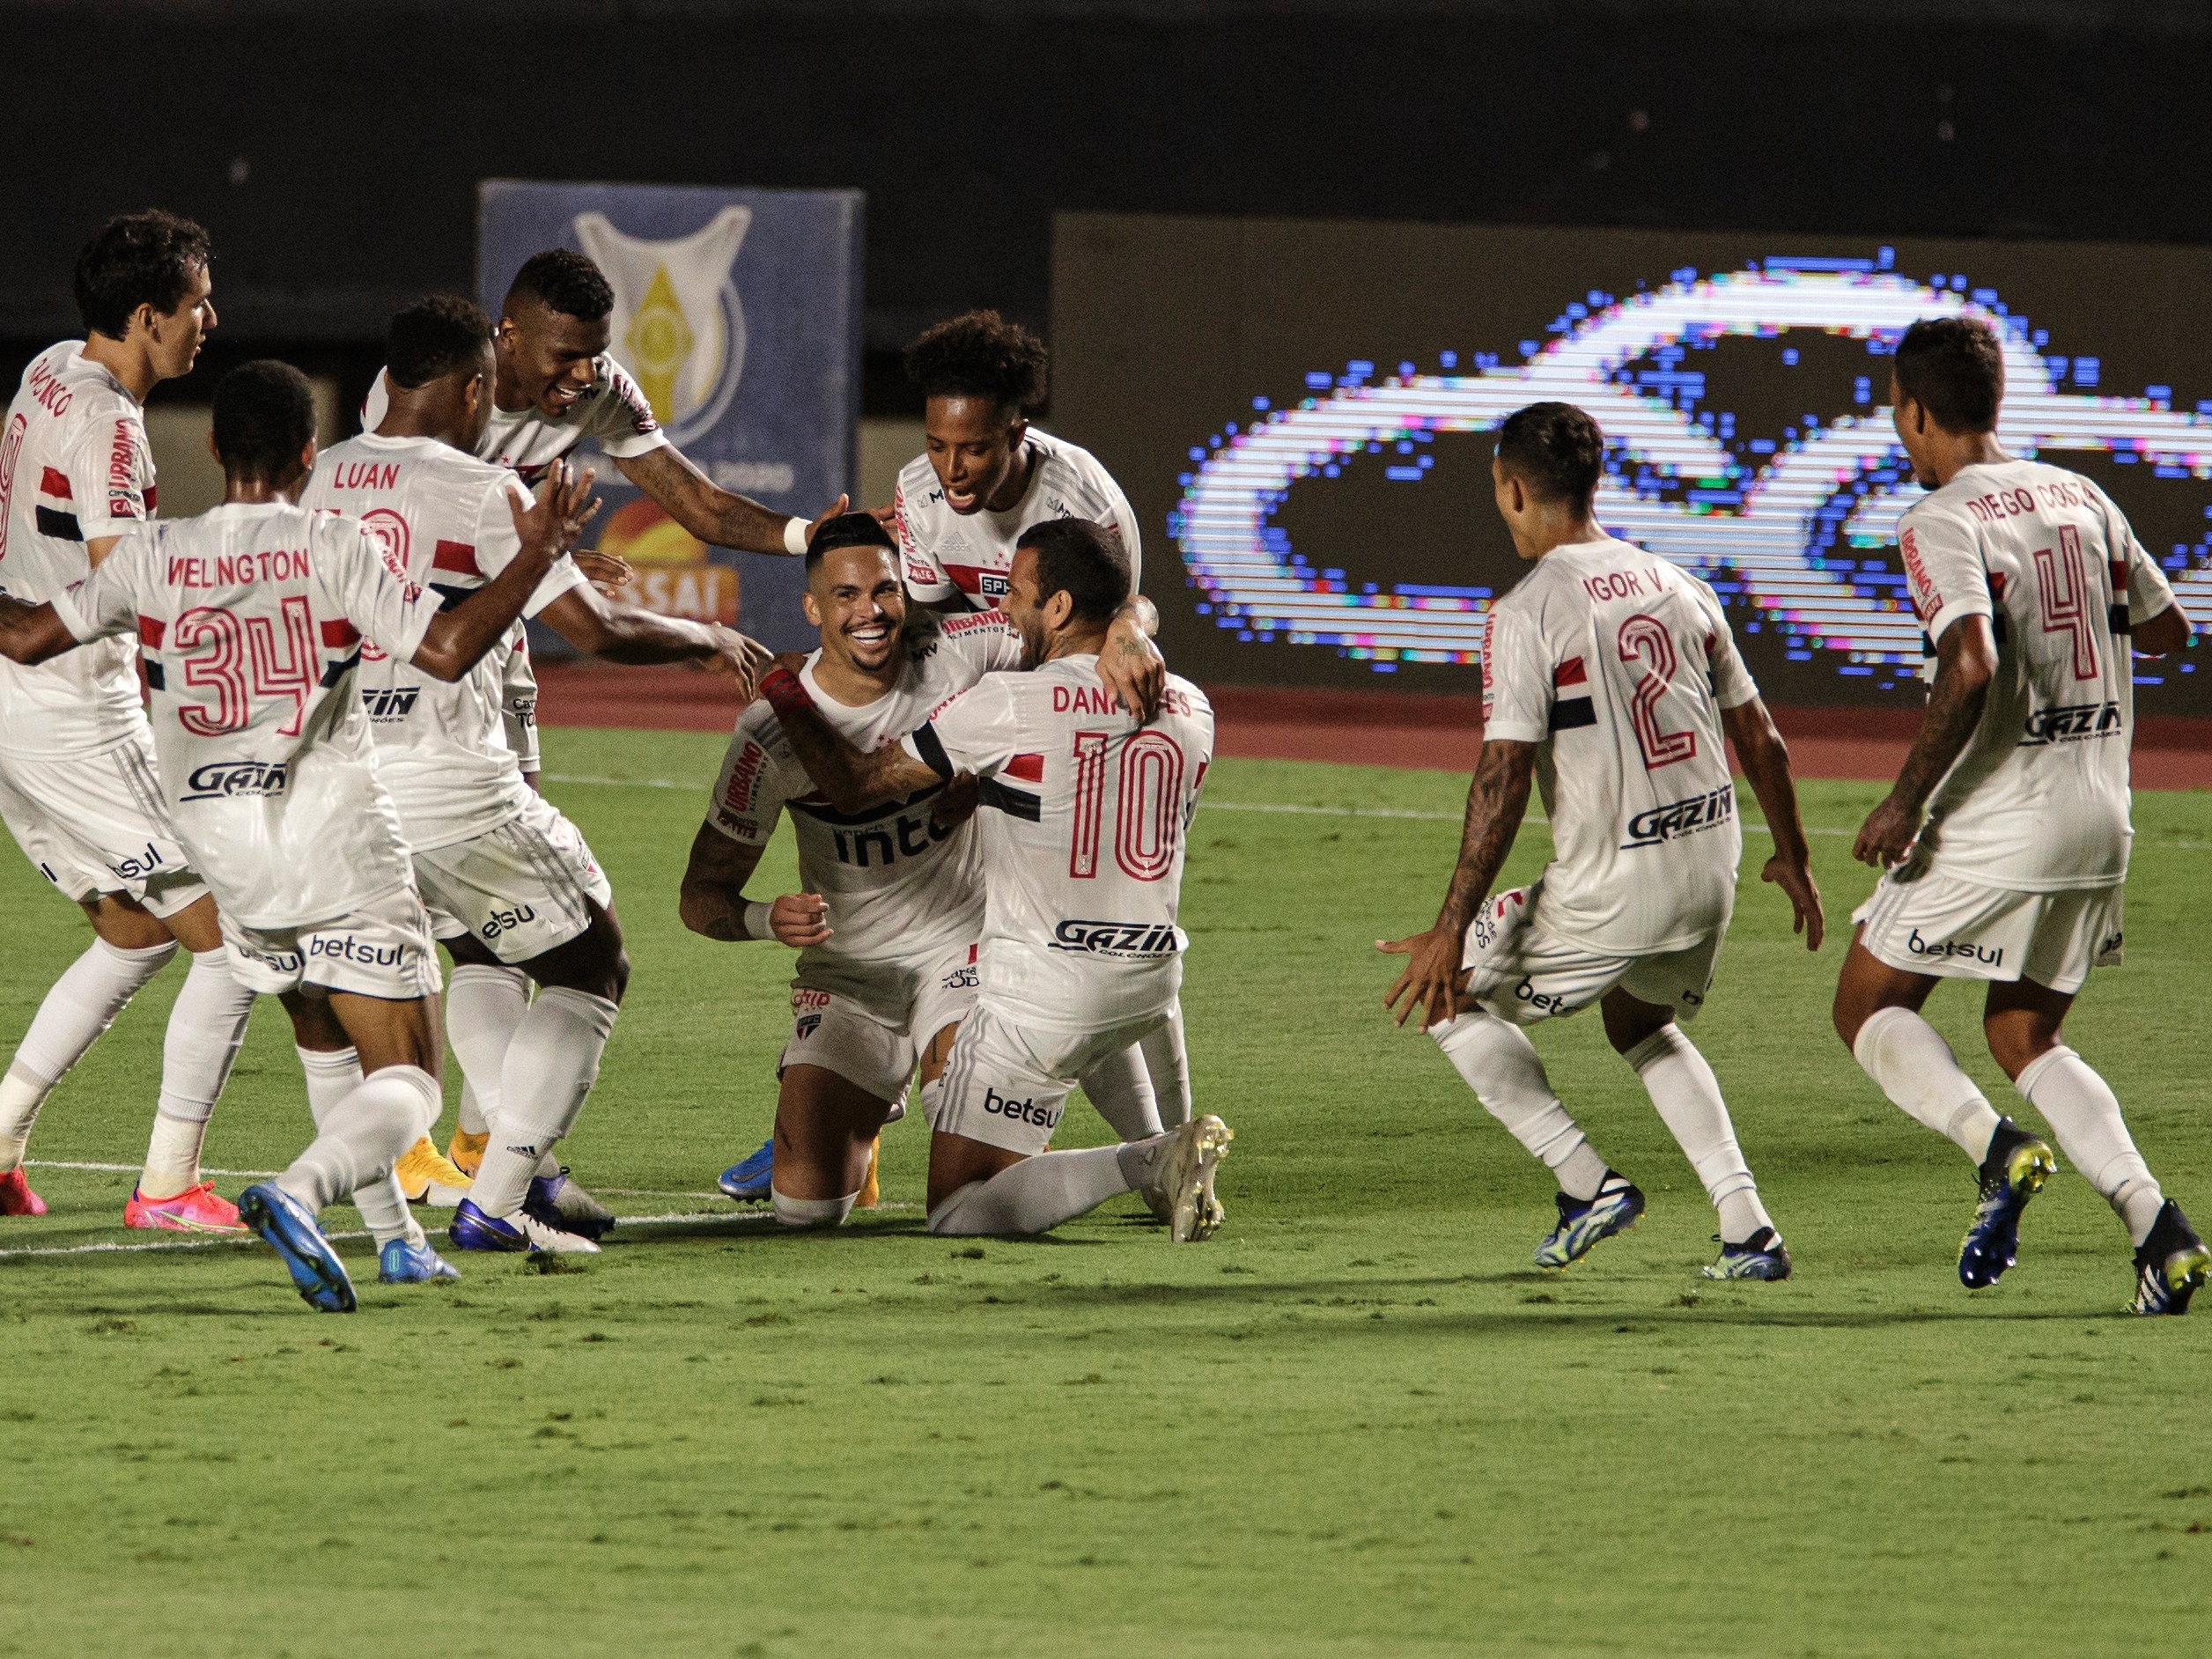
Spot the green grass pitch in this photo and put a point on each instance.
(1355, 1423)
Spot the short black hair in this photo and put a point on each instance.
(563, 280)
(1953, 368)
(264, 415)
(1083, 560)
(1555, 449)
(848, 529)
(433, 337)
(139, 259)
(979, 355)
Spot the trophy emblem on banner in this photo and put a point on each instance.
(678, 325)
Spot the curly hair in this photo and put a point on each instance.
(138, 259)
(1953, 368)
(979, 355)
(1555, 449)
(563, 280)
(434, 336)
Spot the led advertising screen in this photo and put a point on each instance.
(1300, 412)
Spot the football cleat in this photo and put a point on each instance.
(563, 1205)
(465, 1151)
(1585, 1222)
(15, 1197)
(1761, 1255)
(747, 1180)
(871, 1190)
(1183, 1177)
(426, 1176)
(473, 1230)
(401, 1263)
(285, 1225)
(2171, 1265)
(2017, 1165)
(199, 1209)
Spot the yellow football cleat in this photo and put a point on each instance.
(466, 1151)
(427, 1178)
(871, 1195)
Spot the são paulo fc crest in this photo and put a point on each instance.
(678, 325)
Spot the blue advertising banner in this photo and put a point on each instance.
(739, 314)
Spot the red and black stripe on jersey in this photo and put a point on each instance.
(989, 792)
(1571, 705)
(58, 521)
(456, 563)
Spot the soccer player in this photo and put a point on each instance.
(2005, 842)
(1085, 816)
(77, 775)
(250, 623)
(508, 880)
(1609, 677)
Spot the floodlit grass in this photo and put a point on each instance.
(1356, 1423)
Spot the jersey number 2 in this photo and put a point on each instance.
(1148, 805)
(237, 660)
(1645, 642)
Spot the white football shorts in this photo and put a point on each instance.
(1524, 974)
(840, 1034)
(98, 823)
(1927, 921)
(522, 888)
(383, 949)
(1006, 1084)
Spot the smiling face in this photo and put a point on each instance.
(973, 444)
(173, 341)
(546, 356)
(855, 597)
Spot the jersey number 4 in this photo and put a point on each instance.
(1645, 644)
(1148, 805)
(2062, 584)
(236, 659)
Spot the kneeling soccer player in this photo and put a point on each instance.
(272, 779)
(1083, 819)
(1610, 677)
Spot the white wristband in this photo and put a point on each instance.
(795, 537)
(756, 922)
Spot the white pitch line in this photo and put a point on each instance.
(132, 1168)
(104, 1248)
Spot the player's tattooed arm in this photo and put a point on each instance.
(1496, 801)
(1129, 663)
(712, 901)
(851, 779)
(1965, 661)
(1765, 759)
(712, 513)
(32, 633)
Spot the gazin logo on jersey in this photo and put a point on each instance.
(678, 325)
(1684, 817)
(218, 780)
(1136, 940)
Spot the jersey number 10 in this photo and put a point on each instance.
(1148, 805)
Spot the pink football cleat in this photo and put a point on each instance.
(15, 1197)
(199, 1209)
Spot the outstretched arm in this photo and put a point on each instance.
(713, 903)
(1965, 661)
(32, 633)
(1496, 801)
(457, 639)
(712, 513)
(1765, 759)
(631, 634)
(851, 779)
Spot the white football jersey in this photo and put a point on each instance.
(899, 889)
(443, 747)
(1085, 815)
(612, 413)
(1617, 665)
(249, 620)
(946, 555)
(519, 688)
(74, 466)
(2038, 801)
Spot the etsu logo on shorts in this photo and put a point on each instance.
(507, 921)
(388, 703)
(146, 860)
(806, 1026)
(1678, 818)
(285, 962)
(1955, 949)
(1136, 941)
(1022, 1111)
(220, 779)
(2071, 723)
(346, 948)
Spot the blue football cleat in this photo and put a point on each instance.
(747, 1181)
(400, 1263)
(473, 1230)
(285, 1225)
(2172, 1266)
(1761, 1255)
(2014, 1171)
(559, 1202)
(1583, 1222)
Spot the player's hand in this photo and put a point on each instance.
(1133, 669)
(606, 571)
(1804, 897)
(556, 518)
(956, 804)
(844, 504)
(800, 920)
(739, 657)
(1888, 831)
(1431, 979)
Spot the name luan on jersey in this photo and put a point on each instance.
(1617, 666)
(898, 888)
(443, 748)
(612, 413)
(944, 554)
(74, 466)
(2037, 800)
(249, 622)
(1086, 819)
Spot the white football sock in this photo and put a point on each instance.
(1119, 1087)
(2084, 1114)
(1915, 1068)
(173, 1156)
(1168, 1062)
(82, 1003)
(207, 1025)
(811, 1212)
(363, 1135)
(1687, 1095)
(550, 1069)
(484, 1008)
(333, 1074)
(1501, 1066)
(1034, 1195)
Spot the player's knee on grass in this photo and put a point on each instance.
(956, 1161)
(825, 1125)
